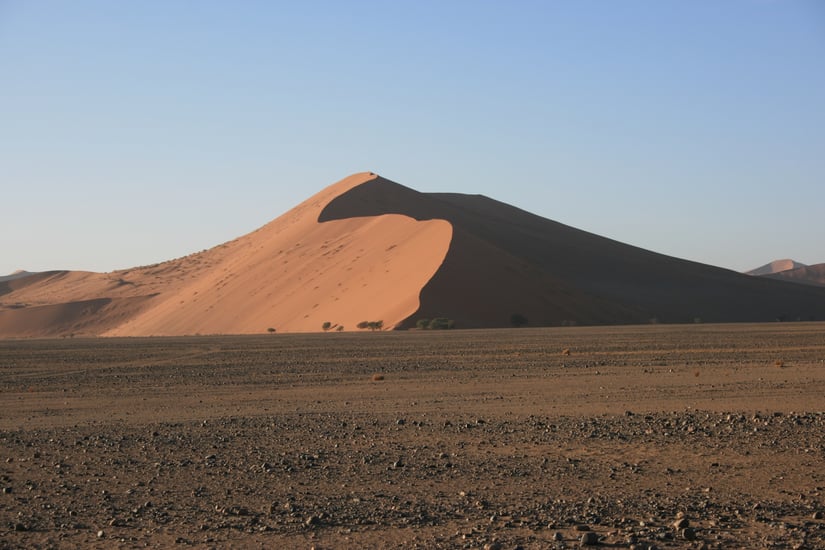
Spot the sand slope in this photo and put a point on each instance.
(368, 249)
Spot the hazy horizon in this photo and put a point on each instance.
(137, 133)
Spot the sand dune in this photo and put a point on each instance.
(806, 275)
(776, 266)
(368, 249)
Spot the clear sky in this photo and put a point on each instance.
(136, 132)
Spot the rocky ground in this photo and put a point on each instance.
(636, 437)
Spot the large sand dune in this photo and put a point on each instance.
(369, 249)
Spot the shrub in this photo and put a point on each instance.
(518, 320)
(441, 323)
(339, 328)
(363, 324)
(372, 325)
(422, 324)
(326, 326)
(377, 377)
(270, 330)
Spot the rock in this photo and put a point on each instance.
(558, 536)
(493, 546)
(312, 521)
(817, 515)
(7, 490)
(20, 527)
(681, 523)
(590, 539)
(101, 534)
(582, 527)
(688, 533)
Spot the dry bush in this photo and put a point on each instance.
(565, 351)
(377, 377)
(779, 363)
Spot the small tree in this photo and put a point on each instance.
(422, 324)
(518, 320)
(363, 324)
(340, 328)
(441, 323)
(270, 330)
(375, 325)
(326, 326)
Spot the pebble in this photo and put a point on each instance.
(590, 539)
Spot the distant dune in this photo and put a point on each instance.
(806, 275)
(19, 274)
(776, 266)
(369, 249)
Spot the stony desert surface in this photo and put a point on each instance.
(697, 436)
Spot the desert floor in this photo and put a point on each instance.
(472, 439)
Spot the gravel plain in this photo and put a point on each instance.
(701, 436)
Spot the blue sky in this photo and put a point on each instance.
(135, 132)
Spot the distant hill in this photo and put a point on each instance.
(806, 275)
(19, 274)
(369, 249)
(776, 266)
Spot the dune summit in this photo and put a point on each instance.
(369, 249)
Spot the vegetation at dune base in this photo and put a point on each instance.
(340, 328)
(439, 323)
(372, 325)
(326, 326)
(518, 320)
(270, 330)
